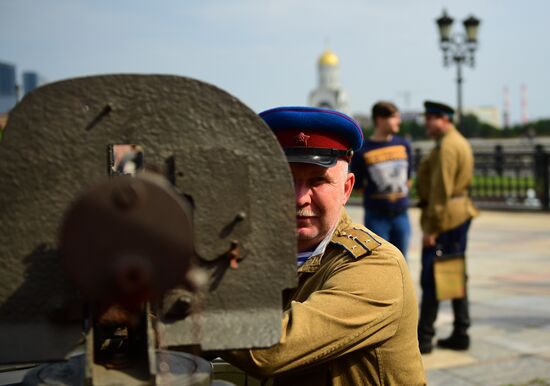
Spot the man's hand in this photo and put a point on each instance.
(428, 240)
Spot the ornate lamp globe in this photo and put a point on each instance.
(444, 24)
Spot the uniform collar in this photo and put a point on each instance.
(344, 223)
(452, 129)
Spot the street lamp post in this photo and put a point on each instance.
(459, 49)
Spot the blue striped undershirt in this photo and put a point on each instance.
(302, 257)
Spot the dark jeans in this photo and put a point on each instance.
(452, 241)
(394, 228)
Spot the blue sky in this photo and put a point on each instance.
(265, 51)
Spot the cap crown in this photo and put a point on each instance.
(431, 107)
(297, 126)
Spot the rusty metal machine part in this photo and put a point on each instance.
(214, 150)
(128, 240)
(125, 242)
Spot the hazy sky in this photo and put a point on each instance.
(265, 52)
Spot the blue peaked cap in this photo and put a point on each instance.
(315, 119)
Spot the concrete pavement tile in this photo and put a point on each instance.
(483, 350)
(484, 293)
(515, 370)
(522, 277)
(441, 358)
(516, 330)
(444, 378)
(514, 322)
(527, 290)
(534, 303)
(535, 336)
(509, 318)
(528, 342)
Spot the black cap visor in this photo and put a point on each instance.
(317, 156)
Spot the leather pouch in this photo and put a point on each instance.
(450, 276)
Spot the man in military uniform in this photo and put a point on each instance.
(442, 181)
(352, 319)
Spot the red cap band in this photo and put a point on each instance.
(307, 138)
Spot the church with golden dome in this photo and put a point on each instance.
(329, 92)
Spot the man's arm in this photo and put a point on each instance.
(359, 306)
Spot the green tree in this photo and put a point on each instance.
(413, 130)
(473, 127)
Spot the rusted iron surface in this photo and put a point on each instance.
(128, 240)
(216, 151)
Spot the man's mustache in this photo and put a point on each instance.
(306, 212)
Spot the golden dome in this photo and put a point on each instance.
(328, 58)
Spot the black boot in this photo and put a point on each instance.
(425, 346)
(459, 339)
(455, 342)
(426, 330)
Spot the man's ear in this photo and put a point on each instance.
(348, 186)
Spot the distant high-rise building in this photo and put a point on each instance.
(8, 92)
(7, 79)
(31, 80)
(9, 88)
(329, 93)
(486, 114)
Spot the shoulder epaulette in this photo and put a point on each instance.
(357, 241)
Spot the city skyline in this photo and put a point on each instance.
(265, 53)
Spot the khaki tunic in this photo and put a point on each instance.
(442, 182)
(351, 321)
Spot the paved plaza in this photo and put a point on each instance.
(508, 260)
